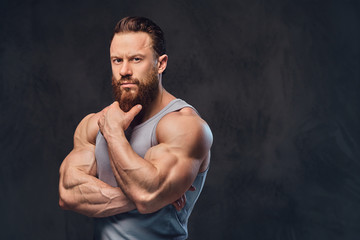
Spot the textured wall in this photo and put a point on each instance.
(277, 81)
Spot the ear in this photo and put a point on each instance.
(162, 63)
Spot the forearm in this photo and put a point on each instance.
(131, 171)
(139, 179)
(79, 189)
(88, 195)
(123, 155)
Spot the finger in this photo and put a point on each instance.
(176, 205)
(182, 201)
(133, 112)
(192, 188)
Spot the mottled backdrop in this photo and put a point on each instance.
(277, 80)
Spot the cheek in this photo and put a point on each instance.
(114, 81)
(115, 70)
(114, 73)
(144, 71)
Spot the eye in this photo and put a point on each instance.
(136, 59)
(117, 60)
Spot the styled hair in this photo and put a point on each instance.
(142, 24)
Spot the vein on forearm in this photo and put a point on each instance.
(132, 172)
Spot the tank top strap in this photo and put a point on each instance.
(173, 106)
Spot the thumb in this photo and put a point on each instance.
(134, 111)
(116, 103)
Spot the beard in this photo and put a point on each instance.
(148, 89)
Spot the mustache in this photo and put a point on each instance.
(126, 79)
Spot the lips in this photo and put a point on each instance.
(128, 84)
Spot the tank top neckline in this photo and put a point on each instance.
(172, 102)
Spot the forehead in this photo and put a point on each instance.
(130, 43)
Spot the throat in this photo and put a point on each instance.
(138, 119)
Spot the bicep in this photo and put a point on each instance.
(83, 154)
(176, 170)
(82, 157)
(185, 141)
(82, 160)
(86, 131)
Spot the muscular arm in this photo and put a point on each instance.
(168, 169)
(79, 189)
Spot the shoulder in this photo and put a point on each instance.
(185, 127)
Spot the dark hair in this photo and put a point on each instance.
(142, 24)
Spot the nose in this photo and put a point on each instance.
(125, 69)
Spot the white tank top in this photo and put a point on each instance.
(167, 223)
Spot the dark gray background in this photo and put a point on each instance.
(277, 81)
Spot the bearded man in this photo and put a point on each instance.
(134, 162)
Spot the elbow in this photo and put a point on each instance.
(62, 204)
(146, 204)
(65, 202)
(144, 209)
(66, 205)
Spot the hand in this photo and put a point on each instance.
(180, 203)
(113, 119)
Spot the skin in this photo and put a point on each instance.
(79, 189)
(167, 170)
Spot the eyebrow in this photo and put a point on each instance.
(129, 56)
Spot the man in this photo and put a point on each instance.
(133, 163)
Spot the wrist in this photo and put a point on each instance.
(114, 136)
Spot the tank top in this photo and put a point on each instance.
(166, 223)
